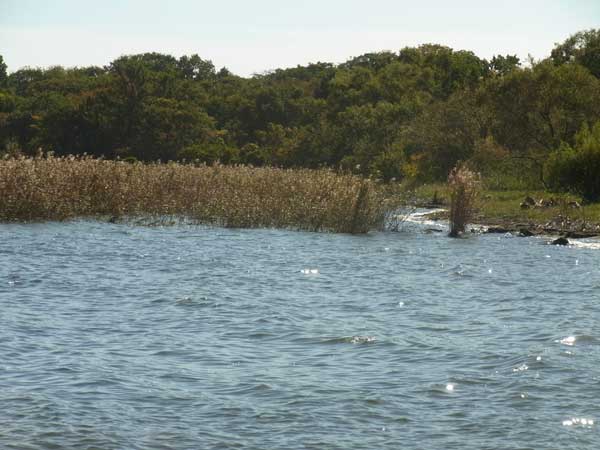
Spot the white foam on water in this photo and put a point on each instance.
(521, 368)
(587, 244)
(578, 421)
(363, 339)
(421, 217)
(569, 340)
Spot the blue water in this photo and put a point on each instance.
(117, 336)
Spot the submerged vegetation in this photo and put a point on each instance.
(58, 188)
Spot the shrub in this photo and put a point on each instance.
(576, 169)
(464, 187)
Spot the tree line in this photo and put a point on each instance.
(411, 114)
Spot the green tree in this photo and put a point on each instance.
(536, 109)
(167, 126)
(450, 70)
(502, 65)
(576, 168)
(445, 133)
(195, 68)
(581, 48)
(3, 73)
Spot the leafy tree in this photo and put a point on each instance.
(576, 168)
(195, 68)
(3, 73)
(581, 48)
(166, 127)
(351, 87)
(372, 61)
(446, 133)
(20, 80)
(450, 70)
(502, 65)
(364, 133)
(536, 109)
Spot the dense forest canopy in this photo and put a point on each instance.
(392, 115)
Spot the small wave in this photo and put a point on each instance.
(440, 390)
(193, 301)
(351, 340)
(363, 340)
(583, 339)
(95, 383)
(521, 368)
(260, 335)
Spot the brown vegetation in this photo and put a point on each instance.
(51, 188)
(464, 186)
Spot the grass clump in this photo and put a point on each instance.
(60, 188)
(464, 187)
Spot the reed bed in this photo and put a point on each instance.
(61, 188)
(464, 186)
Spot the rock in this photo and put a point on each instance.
(580, 234)
(499, 230)
(524, 232)
(432, 230)
(574, 204)
(529, 201)
(546, 203)
(560, 241)
(525, 205)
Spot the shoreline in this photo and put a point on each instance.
(522, 227)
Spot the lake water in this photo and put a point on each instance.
(117, 336)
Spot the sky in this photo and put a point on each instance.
(255, 36)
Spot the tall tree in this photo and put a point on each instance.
(581, 48)
(3, 73)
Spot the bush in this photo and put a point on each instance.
(464, 187)
(577, 169)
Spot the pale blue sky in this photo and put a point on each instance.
(257, 35)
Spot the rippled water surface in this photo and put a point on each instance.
(185, 337)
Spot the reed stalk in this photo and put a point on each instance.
(464, 187)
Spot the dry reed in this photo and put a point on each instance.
(52, 188)
(464, 187)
